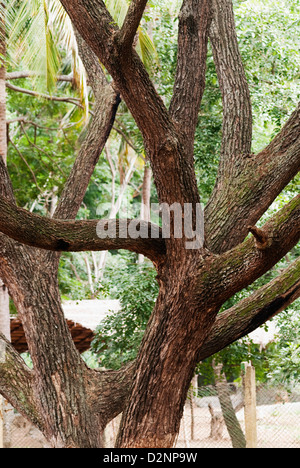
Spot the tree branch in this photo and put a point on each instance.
(27, 74)
(78, 236)
(93, 68)
(163, 146)
(48, 97)
(131, 23)
(107, 101)
(237, 109)
(16, 382)
(256, 181)
(238, 268)
(253, 311)
(6, 188)
(194, 23)
(261, 238)
(112, 402)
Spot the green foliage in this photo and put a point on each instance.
(119, 335)
(285, 359)
(40, 149)
(39, 35)
(72, 286)
(244, 350)
(268, 35)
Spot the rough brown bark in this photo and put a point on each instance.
(237, 109)
(77, 236)
(4, 298)
(161, 388)
(16, 382)
(194, 21)
(131, 23)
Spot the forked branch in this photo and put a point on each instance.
(162, 143)
(131, 23)
(6, 188)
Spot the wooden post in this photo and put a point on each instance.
(250, 406)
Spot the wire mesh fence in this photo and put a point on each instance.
(207, 422)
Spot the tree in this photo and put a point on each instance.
(69, 402)
(4, 299)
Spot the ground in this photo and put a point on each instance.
(278, 427)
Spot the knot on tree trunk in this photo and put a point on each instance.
(261, 238)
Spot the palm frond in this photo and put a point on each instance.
(67, 39)
(38, 30)
(118, 10)
(31, 41)
(146, 49)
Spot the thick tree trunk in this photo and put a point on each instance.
(167, 359)
(4, 299)
(60, 379)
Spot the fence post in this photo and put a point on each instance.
(250, 406)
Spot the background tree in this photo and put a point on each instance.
(185, 326)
